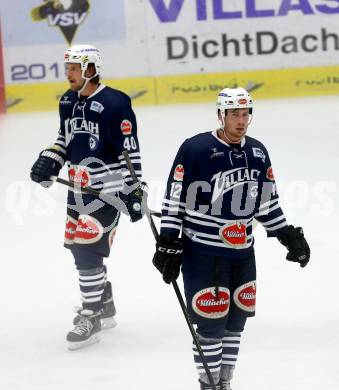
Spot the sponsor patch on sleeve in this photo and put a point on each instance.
(126, 127)
(207, 305)
(179, 172)
(269, 174)
(257, 152)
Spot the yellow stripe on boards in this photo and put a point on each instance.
(191, 88)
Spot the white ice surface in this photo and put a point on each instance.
(291, 344)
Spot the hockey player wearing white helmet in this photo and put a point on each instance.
(97, 124)
(234, 110)
(220, 181)
(83, 68)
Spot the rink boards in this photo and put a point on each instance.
(177, 89)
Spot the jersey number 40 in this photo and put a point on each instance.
(129, 143)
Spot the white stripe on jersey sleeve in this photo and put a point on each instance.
(126, 173)
(172, 219)
(135, 154)
(276, 227)
(273, 221)
(267, 211)
(173, 203)
(173, 210)
(170, 226)
(133, 161)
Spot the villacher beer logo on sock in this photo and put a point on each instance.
(234, 234)
(209, 305)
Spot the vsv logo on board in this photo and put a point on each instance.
(65, 14)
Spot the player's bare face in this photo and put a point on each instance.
(236, 123)
(73, 74)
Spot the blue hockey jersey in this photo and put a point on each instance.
(94, 131)
(214, 193)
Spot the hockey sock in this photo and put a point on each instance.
(230, 350)
(92, 284)
(212, 350)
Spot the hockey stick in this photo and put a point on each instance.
(174, 282)
(108, 198)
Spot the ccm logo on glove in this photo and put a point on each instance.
(170, 251)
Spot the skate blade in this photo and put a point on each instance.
(107, 323)
(73, 346)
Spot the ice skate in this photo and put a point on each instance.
(225, 385)
(85, 330)
(108, 311)
(205, 386)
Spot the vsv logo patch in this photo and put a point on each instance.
(65, 14)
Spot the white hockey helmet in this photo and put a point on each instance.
(84, 55)
(233, 98)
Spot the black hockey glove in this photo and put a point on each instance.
(296, 244)
(134, 202)
(167, 258)
(47, 167)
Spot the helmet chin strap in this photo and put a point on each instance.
(84, 85)
(87, 80)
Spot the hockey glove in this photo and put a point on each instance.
(167, 258)
(47, 167)
(296, 244)
(134, 202)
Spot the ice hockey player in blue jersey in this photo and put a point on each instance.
(97, 124)
(220, 183)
